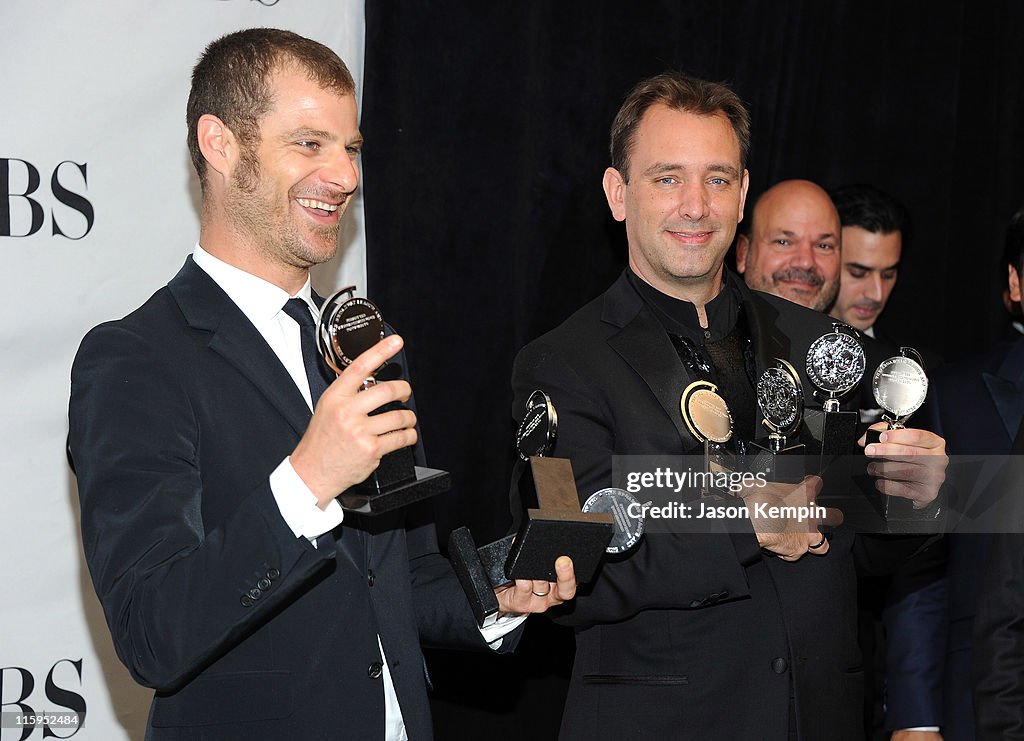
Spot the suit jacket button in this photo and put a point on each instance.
(246, 602)
(779, 665)
(696, 603)
(263, 584)
(255, 593)
(273, 573)
(370, 577)
(374, 670)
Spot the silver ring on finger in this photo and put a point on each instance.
(541, 594)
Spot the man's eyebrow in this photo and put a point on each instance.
(858, 266)
(307, 133)
(661, 167)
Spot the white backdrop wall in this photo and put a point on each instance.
(98, 208)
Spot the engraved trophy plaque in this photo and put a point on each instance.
(555, 528)
(708, 419)
(835, 366)
(780, 399)
(348, 327)
(900, 386)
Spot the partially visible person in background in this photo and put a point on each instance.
(978, 406)
(901, 616)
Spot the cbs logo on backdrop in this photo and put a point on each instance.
(33, 198)
(24, 693)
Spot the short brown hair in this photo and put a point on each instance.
(681, 92)
(231, 81)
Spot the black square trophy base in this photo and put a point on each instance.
(376, 496)
(785, 466)
(547, 534)
(480, 571)
(833, 434)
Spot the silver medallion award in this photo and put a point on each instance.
(900, 387)
(835, 366)
(537, 431)
(348, 327)
(780, 399)
(619, 504)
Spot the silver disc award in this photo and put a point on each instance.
(618, 503)
(836, 364)
(348, 327)
(536, 433)
(900, 386)
(780, 397)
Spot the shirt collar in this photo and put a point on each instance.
(259, 300)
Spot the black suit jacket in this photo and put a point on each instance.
(977, 405)
(697, 635)
(179, 412)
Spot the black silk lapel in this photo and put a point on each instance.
(206, 307)
(768, 339)
(646, 347)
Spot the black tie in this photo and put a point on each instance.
(317, 372)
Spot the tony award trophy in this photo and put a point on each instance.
(900, 387)
(555, 528)
(708, 419)
(780, 398)
(835, 366)
(349, 326)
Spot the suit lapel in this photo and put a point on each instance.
(645, 346)
(207, 308)
(1006, 387)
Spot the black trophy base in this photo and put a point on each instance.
(546, 534)
(480, 571)
(373, 497)
(785, 466)
(833, 434)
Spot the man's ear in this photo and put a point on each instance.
(217, 143)
(1014, 278)
(742, 250)
(614, 186)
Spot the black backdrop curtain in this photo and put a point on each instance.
(486, 138)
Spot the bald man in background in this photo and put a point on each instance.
(793, 246)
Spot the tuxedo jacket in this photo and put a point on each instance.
(179, 412)
(692, 636)
(978, 406)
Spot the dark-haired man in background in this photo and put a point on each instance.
(910, 605)
(210, 446)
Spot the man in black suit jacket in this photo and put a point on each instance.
(978, 406)
(231, 580)
(720, 635)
